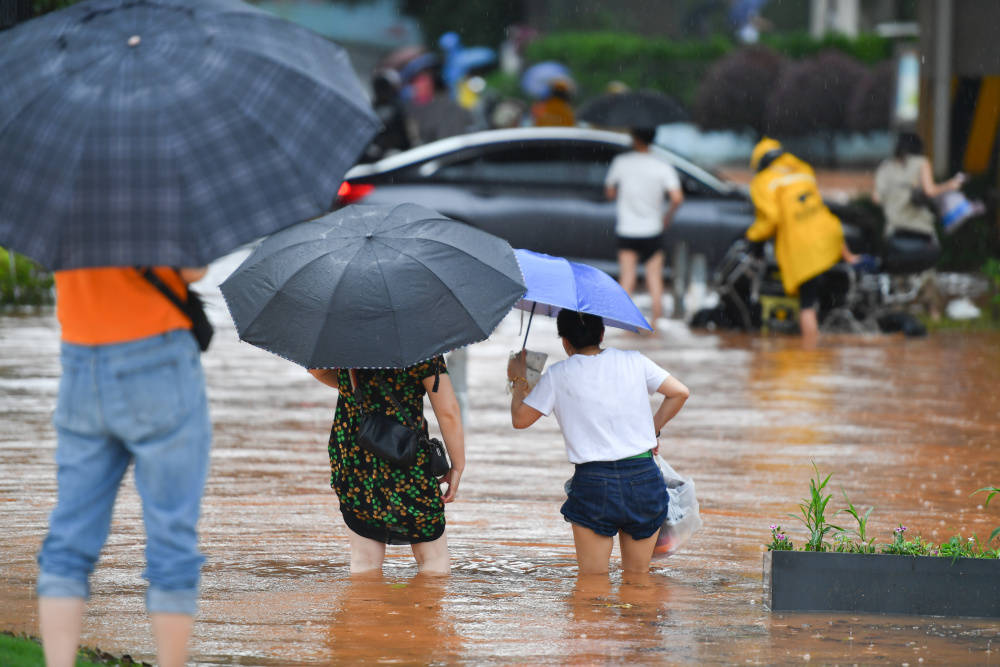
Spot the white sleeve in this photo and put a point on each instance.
(671, 181)
(654, 374)
(543, 396)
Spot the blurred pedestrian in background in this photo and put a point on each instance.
(906, 190)
(439, 116)
(381, 503)
(556, 109)
(809, 239)
(639, 181)
(600, 397)
(132, 391)
(395, 133)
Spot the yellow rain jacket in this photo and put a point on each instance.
(809, 238)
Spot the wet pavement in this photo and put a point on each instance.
(911, 426)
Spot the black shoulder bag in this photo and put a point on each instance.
(194, 308)
(393, 442)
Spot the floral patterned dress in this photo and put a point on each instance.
(378, 500)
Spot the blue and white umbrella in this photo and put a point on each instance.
(168, 132)
(537, 80)
(555, 283)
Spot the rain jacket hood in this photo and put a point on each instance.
(808, 237)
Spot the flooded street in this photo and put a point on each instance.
(909, 426)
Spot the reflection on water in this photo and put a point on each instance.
(910, 427)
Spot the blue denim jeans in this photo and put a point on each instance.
(144, 402)
(611, 496)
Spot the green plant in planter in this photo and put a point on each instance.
(813, 511)
(857, 541)
(779, 541)
(903, 547)
(992, 490)
(843, 541)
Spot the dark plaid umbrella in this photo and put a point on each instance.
(643, 109)
(373, 287)
(168, 131)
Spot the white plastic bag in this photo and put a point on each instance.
(683, 519)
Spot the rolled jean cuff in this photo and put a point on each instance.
(172, 602)
(56, 586)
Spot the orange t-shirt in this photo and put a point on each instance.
(109, 305)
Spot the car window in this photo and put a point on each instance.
(692, 187)
(535, 164)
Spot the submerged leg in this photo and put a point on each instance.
(636, 554)
(366, 554)
(593, 551)
(432, 557)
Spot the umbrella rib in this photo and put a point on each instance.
(432, 240)
(318, 82)
(437, 277)
(340, 283)
(60, 80)
(236, 102)
(297, 71)
(293, 275)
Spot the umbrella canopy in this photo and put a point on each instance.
(537, 79)
(644, 108)
(168, 131)
(373, 287)
(555, 283)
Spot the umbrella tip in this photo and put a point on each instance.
(134, 40)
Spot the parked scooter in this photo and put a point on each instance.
(868, 297)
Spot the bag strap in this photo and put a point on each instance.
(389, 394)
(155, 281)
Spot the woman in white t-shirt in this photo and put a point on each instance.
(600, 397)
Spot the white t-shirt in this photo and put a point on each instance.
(602, 403)
(641, 179)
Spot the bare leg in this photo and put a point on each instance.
(654, 283)
(628, 263)
(809, 326)
(593, 551)
(636, 554)
(172, 632)
(60, 620)
(432, 557)
(366, 554)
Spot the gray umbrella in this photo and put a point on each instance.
(373, 287)
(643, 109)
(168, 131)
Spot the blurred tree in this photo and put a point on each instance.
(871, 105)
(477, 22)
(812, 96)
(734, 93)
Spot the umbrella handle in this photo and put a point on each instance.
(530, 316)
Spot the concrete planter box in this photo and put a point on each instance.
(881, 583)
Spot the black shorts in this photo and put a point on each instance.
(644, 246)
(811, 290)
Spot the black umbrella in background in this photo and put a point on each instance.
(643, 109)
(168, 132)
(373, 287)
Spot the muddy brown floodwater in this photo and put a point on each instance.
(911, 427)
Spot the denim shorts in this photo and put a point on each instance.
(140, 403)
(611, 496)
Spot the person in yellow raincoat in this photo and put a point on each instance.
(555, 110)
(808, 238)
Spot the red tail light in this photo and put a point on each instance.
(352, 192)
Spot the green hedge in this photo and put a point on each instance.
(24, 283)
(670, 66)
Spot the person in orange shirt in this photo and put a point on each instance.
(132, 391)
